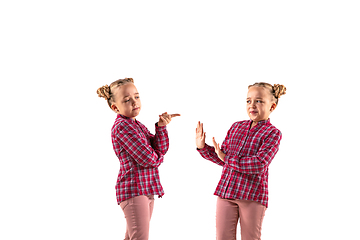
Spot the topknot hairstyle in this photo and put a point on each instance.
(277, 90)
(107, 91)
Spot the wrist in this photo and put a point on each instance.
(159, 125)
(200, 147)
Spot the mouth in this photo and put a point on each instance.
(136, 109)
(253, 112)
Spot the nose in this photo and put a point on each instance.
(134, 102)
(252, 104)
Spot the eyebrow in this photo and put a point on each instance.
(129, 95)
(255, 98)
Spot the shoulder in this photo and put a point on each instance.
(240, 124)
(272, 128)
(122, 124)
(272, 131)
(239, 127)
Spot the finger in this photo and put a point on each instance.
(164, 120)
(175, 115)
(198, 127)
(168, 119)
(214, 143)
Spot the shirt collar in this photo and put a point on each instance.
(125, 117)
(122, 116)
(264, 122)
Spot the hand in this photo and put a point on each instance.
(200, 136)
(218, 151)
(165, 118)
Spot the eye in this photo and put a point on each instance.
(258, 101)
(247, 101)
(127, 100)
(137, 97)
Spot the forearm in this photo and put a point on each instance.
(160, 142)
(145, 155)
(248, 165)
(256, 164)
(139, 149)
(209, 153)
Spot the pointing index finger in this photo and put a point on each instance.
(175, 115)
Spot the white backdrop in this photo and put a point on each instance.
(58, 169)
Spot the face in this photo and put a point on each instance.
(259, 103)
(127, 101)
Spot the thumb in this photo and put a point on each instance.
(215, 144)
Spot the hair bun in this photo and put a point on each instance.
(279, 90)
(104, 92)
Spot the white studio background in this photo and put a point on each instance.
(58, 169)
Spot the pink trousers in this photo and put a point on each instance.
(228, 213)
(138, 211)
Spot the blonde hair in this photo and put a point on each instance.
(277, 90)
(107, 91)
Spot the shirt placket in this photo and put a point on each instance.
(230, 178)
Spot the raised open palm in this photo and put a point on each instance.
(200, 136)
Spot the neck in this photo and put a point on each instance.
(253, 124)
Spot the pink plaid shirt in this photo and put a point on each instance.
(249, 153)
(140, 154)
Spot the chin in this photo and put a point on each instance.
(135, 115)
(252, 117)
(256, 119)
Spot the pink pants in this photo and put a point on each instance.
(138, 211)
(229, 211)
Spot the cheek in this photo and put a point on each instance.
(263, 109)
(126, 106)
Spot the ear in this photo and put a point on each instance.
(114, 108)
(273, 106)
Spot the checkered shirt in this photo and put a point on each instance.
(249, 153)
(140, 154)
